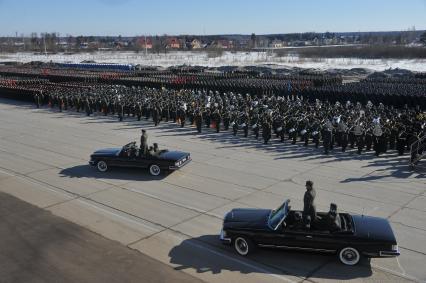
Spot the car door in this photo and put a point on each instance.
(290, 238)
(143, 161)
(279, 238)
(122, 160)
(314, 240)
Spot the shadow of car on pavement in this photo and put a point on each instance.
(116, 173)
(207, 254)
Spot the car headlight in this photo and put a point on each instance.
(394, 247)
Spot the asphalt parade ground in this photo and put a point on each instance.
(37, 246)
(174, 220)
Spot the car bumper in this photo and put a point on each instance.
(389, 253)
(223, 238)
(382, 254)
(92, 162)
(174, 167)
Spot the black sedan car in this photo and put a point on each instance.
(130, 156)
(349, 236)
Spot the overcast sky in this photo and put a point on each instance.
(133, 17)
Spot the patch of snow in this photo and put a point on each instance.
(227, 58)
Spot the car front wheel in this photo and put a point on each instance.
(243, 246)
(154, 170)
(102, 166)
(349, 256)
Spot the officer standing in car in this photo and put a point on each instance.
(308, 201)
(144, 142)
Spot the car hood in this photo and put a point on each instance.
(373, 228)
(107, 151)
(173, 155)
(247, 218)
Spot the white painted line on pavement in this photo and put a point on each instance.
(40, 184)
(405, 276)
(166, 201)
(126, 219)
(400, 266)
(7, 173)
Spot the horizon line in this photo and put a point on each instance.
(19, 35)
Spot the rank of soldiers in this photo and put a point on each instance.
(377, 115)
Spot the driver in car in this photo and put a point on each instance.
(298, 221)
(133, 151)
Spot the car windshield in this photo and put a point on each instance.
(277, 216)
(125, 149)
(129, 145)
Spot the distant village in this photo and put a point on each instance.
(54, 42)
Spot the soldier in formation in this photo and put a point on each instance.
(306, 109)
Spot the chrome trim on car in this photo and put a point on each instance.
(92, 162)
(389, 253)
(296, 248)
(175, 167)
(223, 237)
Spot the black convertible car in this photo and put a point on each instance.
(349, 236)
(130, 156)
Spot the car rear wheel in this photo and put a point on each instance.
(243, 246)
(154, 170)
(102, 166)
(349, 256)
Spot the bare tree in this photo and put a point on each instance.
(156, 44)
(34, 41)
